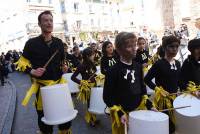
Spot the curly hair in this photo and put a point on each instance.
(104, 45)
(168, 40)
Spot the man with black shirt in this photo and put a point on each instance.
(36, 53)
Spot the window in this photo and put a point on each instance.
(62, 7)
(28, 0)
(117, 11)
(90, 8)
(131, 23)
(39, 1)
(50, 1)
(78, 24)
(92, 22)
(65, 25)
(76, 7)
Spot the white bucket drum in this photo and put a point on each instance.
(73, 87)
(187, 119)
(148, 122)
(97, 104)
(57, 104)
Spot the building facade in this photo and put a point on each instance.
(21, 22)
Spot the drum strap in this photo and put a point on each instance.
(85, 90)
(36, 84)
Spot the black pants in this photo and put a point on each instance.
(48, 129)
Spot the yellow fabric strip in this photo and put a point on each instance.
(143, 103)
(117, 126)
(115, 109)
(192, 87)
(85, 90)
(35, 87)
(150, 62)
(89, 117)
(69, 131)
(100, 78)
(22, 64)
(163, 100)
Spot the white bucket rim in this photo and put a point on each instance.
(94, 111)
(56, 86)
(164, 116)
(188, 113)
(67, 119)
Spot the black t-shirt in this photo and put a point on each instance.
(190, 71)
(142, 56)
(38, 53)
(107, 63)
(124, 86)
(165, 74)
(85, 71)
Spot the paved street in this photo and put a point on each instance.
(25, 121)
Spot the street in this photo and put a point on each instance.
(25, 120)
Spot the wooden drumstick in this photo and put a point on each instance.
(125, 129)
(164, 110)
(179, 93)
(92, 76)
(50, 59)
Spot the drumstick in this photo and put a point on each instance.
(125, 128)
(50, 59)
(164, 110)
(179, 93)
(92, 76)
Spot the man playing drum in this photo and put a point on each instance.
(36, 53)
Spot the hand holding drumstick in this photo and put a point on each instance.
(40, 71)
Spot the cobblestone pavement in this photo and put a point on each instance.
(25, 121)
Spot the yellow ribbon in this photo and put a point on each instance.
(143, 103)
(100, 78)
(192, 87)
(89, 117)
(22, 64)
(114, 110)
(35, 87)
(69, 131)
(73, 69)
(151, 61)
(163, 100)
(85, 89)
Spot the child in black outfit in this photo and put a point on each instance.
(124, 86)
(87, 70)
(142, 55)
(109, 58)
(166, 70)
(190, 70)
(97, 53)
